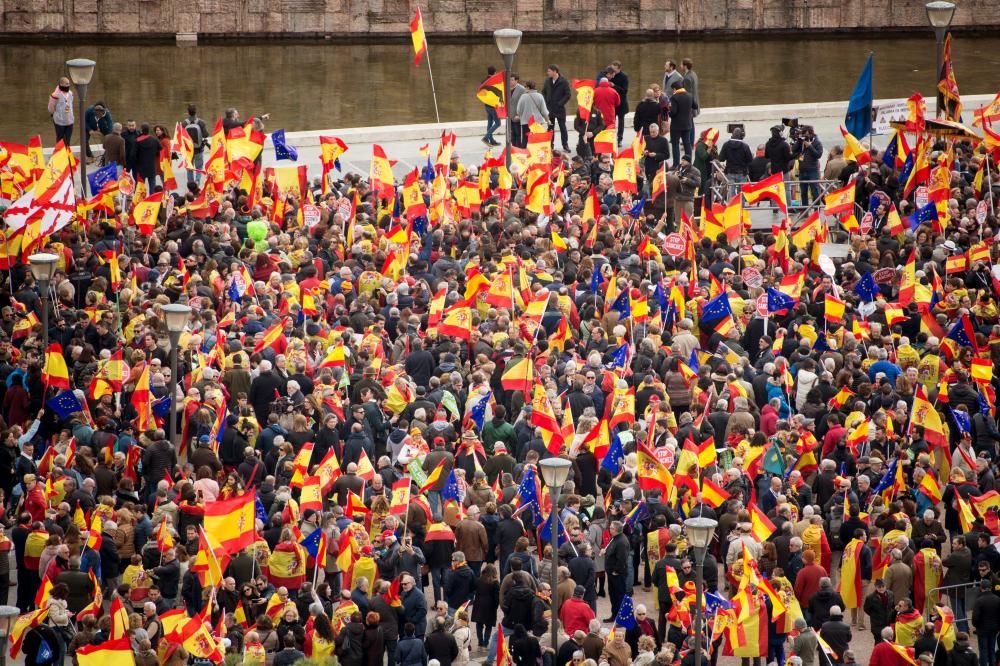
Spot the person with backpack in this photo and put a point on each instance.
(196, 129)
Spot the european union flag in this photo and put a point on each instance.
(613, 458)
(545, 533)
(639, 512)
(778, 301)
(926, 214)
(527, 491)
(427, 173)
(636, 210)
(887, 479)
(858, 120)
(984, 405)
(963, 333)
(102, 176)
(908, 163)
(716, 309)
(626, 614)
(693, 362)
(821, 343)
(261, 512)
(161, 407)
(962, 420)
(623, 305)
(419, 225)
(595, 280)
(64, 404)
(450, 490)
(282, 150)
(714, 603)
(311, 542)
(889, 157)
(619, 357)
(478, 411)
(866, 288)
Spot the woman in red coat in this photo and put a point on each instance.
(34, 498)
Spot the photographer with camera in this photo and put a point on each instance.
(737, 155)
(808, 149)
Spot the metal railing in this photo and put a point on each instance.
(723, 189)
(969, 592)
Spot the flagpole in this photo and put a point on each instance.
(427, 57)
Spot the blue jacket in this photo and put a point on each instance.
(103, 125)
(415, 611)
(410, 651)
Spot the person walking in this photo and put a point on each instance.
(492, 118)
(556, 91)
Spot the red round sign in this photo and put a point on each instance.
(675, 245)
(762, 305)
(866, 223)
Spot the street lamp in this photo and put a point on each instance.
(507, 39)
(699, 535)
(555, 471)
(81, 70)
(7, 616)
(43, 266)
(175, 315)
(939, 15)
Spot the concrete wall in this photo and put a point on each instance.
(360, 18)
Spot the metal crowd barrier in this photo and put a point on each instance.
(969, 592)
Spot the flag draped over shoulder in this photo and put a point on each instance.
(850, 575)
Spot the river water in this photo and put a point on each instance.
(321, 85)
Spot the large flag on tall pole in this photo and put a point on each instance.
(949, 101)
(858, 120)
(418, 37)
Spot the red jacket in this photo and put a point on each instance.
(807, 582)
(35, 504)
(833, 435)
(884, 655)
(575, 614)
(606, 100)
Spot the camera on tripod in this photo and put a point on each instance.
(797, 132)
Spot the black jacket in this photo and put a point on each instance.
(556, 94)
(647, 112)
(681, 112)
(616, 555)
(737, 156)
(986, 614)
(517, 606)
(231, 447)
(779, 153)
(459, 586)
(838, 635)
(441, 645)
(350, 650)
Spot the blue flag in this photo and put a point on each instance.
(693, 362)
(889, 155)
(419, 225)
(450, 490)
(619, 357)
(527, 491)
(261, 512)
(887, 479)
(778, 301)
(984, 406)
(866, 288)
(105, 174)
(926, 214)
(478, 411)
(858, 120)
(626, 614)
(636, 210)
(716, 309)
(311, 542)
(623, 305)
(821, 344)
(161, 407)
(908, 163)
(426, 247)
(64, 404)
(962, 420)
(613, 458)
(639, 512)
(282, 150)
(963, 333)
(545, 533)
(427, 173)
(595, 281)
(714, 603)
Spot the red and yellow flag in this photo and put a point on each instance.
(849, 586)
(231, 521)
(418, 37)
(55, 374)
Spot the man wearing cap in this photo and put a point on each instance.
(575, 614)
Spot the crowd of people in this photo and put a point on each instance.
(383, 383)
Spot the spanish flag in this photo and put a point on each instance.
(558, 243)
(838, 401)
(713, 495)
(433, 477)
(653, 474)
(142, 400)
(55, 374)
(118, 651)
(192, 633)
(311, 497)
(853, 150)
(982, 370)
(457, 321)
(400, 497)
(301, 465)
(335, 357)
(418, 37)
(544, 417)
(518, 376)
(906, 627)
(809, 230)
(772, 188)
(924, 414)
(605, 141)
(591, 208)
(146, 213)
(624, 171)
(761, 526)
(930, 487)
(272, 335)
(584, 97)
(839, 201)
(849, 586)
(287, 565)
(833, 310)
(231, 521)
(491, 91)
(22, 625)
(926, 577)
(380, 174)
(436, 308)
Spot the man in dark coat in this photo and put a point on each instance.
(459, 582)
(681, 122)
(616, 566)
(265, 387)
(556, 92)
(147, 156)
(440, 644)
(837, 634)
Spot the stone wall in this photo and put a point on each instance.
(460, 18)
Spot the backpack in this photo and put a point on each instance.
(193, 127)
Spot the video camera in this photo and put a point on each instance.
(797, 132)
